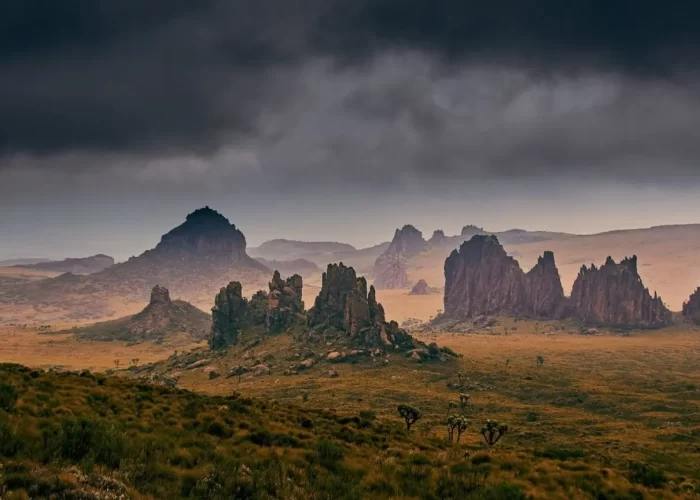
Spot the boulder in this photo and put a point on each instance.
(333, 374)
(305, 365)
(334, 356)
(260, 370)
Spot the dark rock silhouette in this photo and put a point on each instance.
(284, 302)
(543, 289)
(229, 315)
(613, 295)
(422, 288)
(390, 267)
(691, 308)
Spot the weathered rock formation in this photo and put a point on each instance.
(545, 295)
(437, 239)
(159, 318)
(284, 302)
(390, 267)
(481, 279)
(345, 304)
(229, 316)
(613, 295)
(422, 288)
(691, 308)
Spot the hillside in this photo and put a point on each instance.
(193, 260)
(160, 318)
(84, 265)
(281, 249)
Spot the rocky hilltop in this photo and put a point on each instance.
(162, 316)
(85, 265)
(194, 259)
(289, 267)
(390, 267)
(614, 295)
(691, 308)
(344, 304)
(481, 279)
(422, 288)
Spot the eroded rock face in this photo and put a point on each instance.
(543, 288)
(390, 267)
(159, 296)
(345, 304)
(691, 308)
(284, 302)
(614, 295)
(229, 316)
(481, 279)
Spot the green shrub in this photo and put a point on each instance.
(646, 475)
(8, 397)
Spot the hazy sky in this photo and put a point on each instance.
(342, 119)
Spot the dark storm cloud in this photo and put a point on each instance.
(188, 76)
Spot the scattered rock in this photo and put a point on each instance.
(213, 375)
(197, 364)
(333, 374)
(334, 356)
(305, 365)
(260, 370)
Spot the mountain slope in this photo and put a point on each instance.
(161, 317)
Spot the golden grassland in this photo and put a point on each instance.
(597, 405)
(46, 350)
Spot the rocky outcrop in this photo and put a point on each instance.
(344, 304)
(545, 295)
(691, 308)
(422, 288)
(471, 230)
(162, 316)
(613, 295)
(390, 267)
(481, 279)
(437, 239)
(229, 314)
(284, 302)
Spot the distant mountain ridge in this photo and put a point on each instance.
(282, 249)
(81, 265)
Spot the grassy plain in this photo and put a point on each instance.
(609, 416)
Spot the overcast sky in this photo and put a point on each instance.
(342, 119)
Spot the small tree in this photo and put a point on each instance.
(116, 363)
(463, 401)
(410, 414)
(493, 431)
(238, 371)
(135, 362)
(304, 395)
(456, 423)
(540, 360)
(452, 405)
(462, 379)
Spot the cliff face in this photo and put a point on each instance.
(284, 302)
(545, 295)
(614, 295)
(229, 315)
(691, 308)
(480, 278)
(345, 304)
(390, 267)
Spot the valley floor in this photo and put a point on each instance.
(605, 416)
